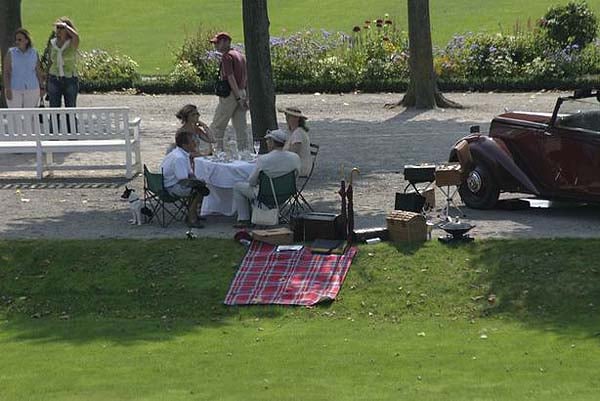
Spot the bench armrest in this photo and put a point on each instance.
(135, 126)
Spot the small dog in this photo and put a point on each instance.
(135, 205)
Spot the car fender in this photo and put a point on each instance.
(494, 154)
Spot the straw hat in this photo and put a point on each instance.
(292, 111)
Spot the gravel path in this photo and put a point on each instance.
(353, 129)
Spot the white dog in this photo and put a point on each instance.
(135, 205)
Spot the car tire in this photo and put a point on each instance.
(480, 190)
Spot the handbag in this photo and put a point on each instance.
(41, 105)
(222, 87)
(262, 215)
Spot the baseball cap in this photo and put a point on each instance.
(277, 135)
(219, 36)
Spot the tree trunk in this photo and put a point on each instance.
(422, 90)
(261, 92)
(10, 20)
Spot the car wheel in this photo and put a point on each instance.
(480, 190)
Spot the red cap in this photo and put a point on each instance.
(219, 36)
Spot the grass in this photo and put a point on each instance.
(150, 30)
(144, 320)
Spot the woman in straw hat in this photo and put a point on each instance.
(298, 140)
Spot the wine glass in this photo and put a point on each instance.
(256, 146)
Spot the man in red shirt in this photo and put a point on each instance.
(234, 106)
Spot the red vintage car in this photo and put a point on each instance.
(551, 155)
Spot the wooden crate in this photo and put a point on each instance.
(406, 226)
(448, 175)
(274, 236)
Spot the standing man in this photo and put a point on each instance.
(233, 106)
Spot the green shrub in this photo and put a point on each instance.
(487, 55)
(571, 24)
(380, 50)
(199, 52)
(102, 67)
(185, 74)
(297, 56)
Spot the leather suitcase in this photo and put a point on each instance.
(310, 226)
(410, 202)
(419, 173)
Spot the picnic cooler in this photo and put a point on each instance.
(274, 236)
(448, 175)
(310, 226)
(406, 226)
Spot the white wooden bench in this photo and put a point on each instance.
(45, 131)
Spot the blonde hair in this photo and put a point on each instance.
(67, 21)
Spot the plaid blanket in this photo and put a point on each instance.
(287, 278)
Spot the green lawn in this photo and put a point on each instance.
(143, 320)
(149, 30)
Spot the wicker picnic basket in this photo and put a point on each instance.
(406, 226)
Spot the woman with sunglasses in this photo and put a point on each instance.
(201, 134)
(62, 78)
(22, 73)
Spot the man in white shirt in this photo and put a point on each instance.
(276, 163)
(179, 179)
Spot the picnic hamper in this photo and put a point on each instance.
(406, 226)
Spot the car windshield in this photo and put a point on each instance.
(580, 113)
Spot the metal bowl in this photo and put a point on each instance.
(456, 229)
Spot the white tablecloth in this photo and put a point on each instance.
(220, 178)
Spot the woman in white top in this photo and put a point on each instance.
(298, 140)
(201, 134)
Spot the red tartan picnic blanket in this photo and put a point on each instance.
(288, 277)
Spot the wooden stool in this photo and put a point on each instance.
(448, 178)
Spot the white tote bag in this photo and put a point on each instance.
(262, 215)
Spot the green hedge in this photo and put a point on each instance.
(160, 85)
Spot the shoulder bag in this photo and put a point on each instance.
(222, 87)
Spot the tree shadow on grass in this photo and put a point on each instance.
(548, 284)
(123, 291)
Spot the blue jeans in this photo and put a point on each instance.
(59, 87)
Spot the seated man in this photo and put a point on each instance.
(275, 164)
(179, 179)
